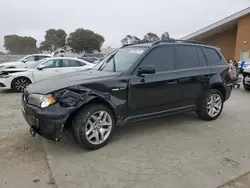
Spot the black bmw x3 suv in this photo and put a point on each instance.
(137, 82)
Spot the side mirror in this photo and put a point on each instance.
(24, 61)
(148, 69)
(41, 67)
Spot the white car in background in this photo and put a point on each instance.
(246, 78)
(25, 62)
(18, 78)
(247, 64)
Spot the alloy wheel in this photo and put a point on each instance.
(98, 127)
(21, 84)
(214, 105)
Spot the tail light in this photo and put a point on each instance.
(229, 73)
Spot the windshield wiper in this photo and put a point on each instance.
(105, 63)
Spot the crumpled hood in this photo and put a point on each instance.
(60, 82)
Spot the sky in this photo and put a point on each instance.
(113, 19)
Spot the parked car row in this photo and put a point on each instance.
(18, 78)
(25, 62)
(93, 57)
(135, 83)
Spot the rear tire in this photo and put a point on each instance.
(19, 84)
(211, 105)
(93, 126)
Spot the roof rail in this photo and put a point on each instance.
(179, 41)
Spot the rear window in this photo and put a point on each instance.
(212, 57)
(186, 57)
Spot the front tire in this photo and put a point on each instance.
(211, 105)
(93, 126)
(19, 84)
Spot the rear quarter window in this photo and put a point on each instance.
(212, 56)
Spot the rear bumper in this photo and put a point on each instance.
(47, 122)
(228, 89)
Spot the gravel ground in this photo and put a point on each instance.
(177, 151)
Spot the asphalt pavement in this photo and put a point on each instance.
(175, 151)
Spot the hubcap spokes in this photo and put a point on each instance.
(98, 127)
(21, 84)
(214, 105)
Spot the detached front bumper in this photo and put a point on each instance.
(47, 122)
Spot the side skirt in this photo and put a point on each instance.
(159, 114)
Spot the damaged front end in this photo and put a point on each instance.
(50, 121)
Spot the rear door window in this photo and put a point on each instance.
(53, 63)
(161, 57)
(212, 57)
(30, 58)
(41, 57)
(72, 63)
(185, 57)
(202, 59)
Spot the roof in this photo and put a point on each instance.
(220, 26)
(73, 58)
(39, 55)
(171, 42)
(70, 58)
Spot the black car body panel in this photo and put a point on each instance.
(72, 79)
(132, 97)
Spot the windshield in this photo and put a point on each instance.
(121, 60)
(36, 63)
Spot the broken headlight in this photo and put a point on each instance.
(42, 101)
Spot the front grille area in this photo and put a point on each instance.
(2, 85)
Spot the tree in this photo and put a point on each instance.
(165, 36)
(129, 39)
(150, 37)
(83, 40)
(54, 39)
(20, 45)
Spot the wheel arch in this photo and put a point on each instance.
(220, 87)
(18, 77)
(91, 100)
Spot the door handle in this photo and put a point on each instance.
(171, 82)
